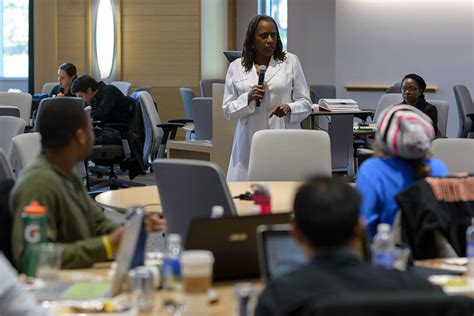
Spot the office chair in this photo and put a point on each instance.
(465, 107)
(48, 87)
(202, 112)
(6, 170)
(456, 153)
(156, 133)
(26, 148)
(442, 108)
(21, 100)
(123, 86)
(319, 91)
(189, 189)
(8, 110)
(187, 95)
(206, 86)
(10, 126)
(289, 155)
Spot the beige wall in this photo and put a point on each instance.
(160, 45)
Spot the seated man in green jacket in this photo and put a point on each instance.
(74, 219)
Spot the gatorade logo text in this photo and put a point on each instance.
(32, 233)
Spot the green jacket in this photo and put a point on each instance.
(74, 219)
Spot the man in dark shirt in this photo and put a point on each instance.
(328, 227)
(108, 104)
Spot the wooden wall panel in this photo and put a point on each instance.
(45, 42)
(73, 8)
(73, 42)
(160, 7)
(162, 51)
(161, 48)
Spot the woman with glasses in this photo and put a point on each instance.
(413, 88)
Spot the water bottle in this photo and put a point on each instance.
(171, 269)
(217, 211)
(383, 247)
(35, 225)
(470, 251)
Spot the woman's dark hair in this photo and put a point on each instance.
(419, 81)
(249, 53)
(420, 169)
(69, 68)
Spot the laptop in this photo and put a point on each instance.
(233, 242)
(278, 252)
(90, 290)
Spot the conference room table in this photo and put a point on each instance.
(221, 303)
(282, 195)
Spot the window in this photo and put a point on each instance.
(277, 9)
(14, 38)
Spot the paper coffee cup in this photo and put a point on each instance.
(196, 270)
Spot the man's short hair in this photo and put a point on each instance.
(58, 122)
(84, 82)
(326, 212)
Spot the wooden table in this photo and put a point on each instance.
(223, 306)
(282, 193)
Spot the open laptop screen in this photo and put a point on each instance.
(278, 252)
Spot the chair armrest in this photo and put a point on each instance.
(170, 126)
(182, 121)
(118, 126)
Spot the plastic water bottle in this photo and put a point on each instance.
(171, 268)
(35, 225)
(217, 211)
(470, 251)
(383, 247)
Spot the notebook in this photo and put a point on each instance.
(89, 290)
(233, 242)
(278, 252)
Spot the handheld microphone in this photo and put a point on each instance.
(261, 70)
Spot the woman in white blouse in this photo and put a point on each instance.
(284, 95)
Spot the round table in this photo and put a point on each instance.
(282, 194)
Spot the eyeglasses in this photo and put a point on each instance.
(411, 89)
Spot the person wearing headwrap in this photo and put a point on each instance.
(413, 88)
(403, 136)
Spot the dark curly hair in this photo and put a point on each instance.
(249, 53)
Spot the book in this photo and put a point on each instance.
(338, 105)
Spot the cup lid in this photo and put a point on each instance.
(197, 256)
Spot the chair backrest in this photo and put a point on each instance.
(206, 86)
(9, 110)
(319, 91)
(442, 108)
(6, 170)
(386, 101)
(19, 99)
(10, 126)
(27, 147)
(187, 95)
(65, 101)
(457, 153)
(123, 86)
(202, 111)
(395, 88)
(48, 87)
(189, 189)
(153, 133)
(289, 155)
(143, 88)
(465, 106)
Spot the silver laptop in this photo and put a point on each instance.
(89, 290)
(278, 252)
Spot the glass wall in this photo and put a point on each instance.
(14, 39)
(277, 9)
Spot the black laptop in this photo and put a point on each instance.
(233, 242)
